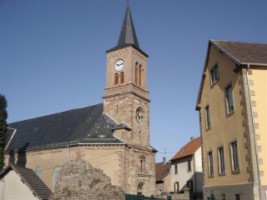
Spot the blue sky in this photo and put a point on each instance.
(53, 54)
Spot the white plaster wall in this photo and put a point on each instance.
(12, 188)
(198, 160)
(183, 175)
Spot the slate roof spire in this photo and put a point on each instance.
(128, 35)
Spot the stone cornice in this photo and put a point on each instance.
(126, 89)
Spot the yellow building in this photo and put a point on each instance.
(113, 136)
(232, 105)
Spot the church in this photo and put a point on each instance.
(113, 136)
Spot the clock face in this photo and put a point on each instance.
(139, 116)
(119, 64)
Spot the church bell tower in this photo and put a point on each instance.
(126, 97)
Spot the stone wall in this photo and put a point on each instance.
(79, 180)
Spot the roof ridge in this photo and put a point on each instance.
(240, 42)
(55, 113)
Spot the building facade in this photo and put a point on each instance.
(232, 105)
(113, 136)
(186, 169)
(163, 178)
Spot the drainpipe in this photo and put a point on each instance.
(254, 133)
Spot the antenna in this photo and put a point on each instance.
(165, 152)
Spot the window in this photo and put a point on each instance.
(122, 77)
(189, 165)
(56, 174)
(237, 196)
(140, 75)
(136, 73)
(175, 169)
(116, 79)
(212, 197)
(234, 157)
(223, 197)
(142, 164)
(207, 116)
(190, 185)
(214, 73)
(229, 99)
(176, 186)
(210, 163)
(221, 161)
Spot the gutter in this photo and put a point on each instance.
(14, 132)
(254, 134)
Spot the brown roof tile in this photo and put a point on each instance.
(162, 170)
(244, 52)
(188, 149)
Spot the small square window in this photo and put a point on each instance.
(214, 73)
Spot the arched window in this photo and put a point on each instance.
(140, 75)
(56, 174)
(122, 77)
(38, 172)
(116, 79)
(136, 73)
(142, 164)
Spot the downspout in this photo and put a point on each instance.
(254, 133)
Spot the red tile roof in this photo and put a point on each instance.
(189, 149)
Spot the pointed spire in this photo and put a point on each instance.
(127, 35)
